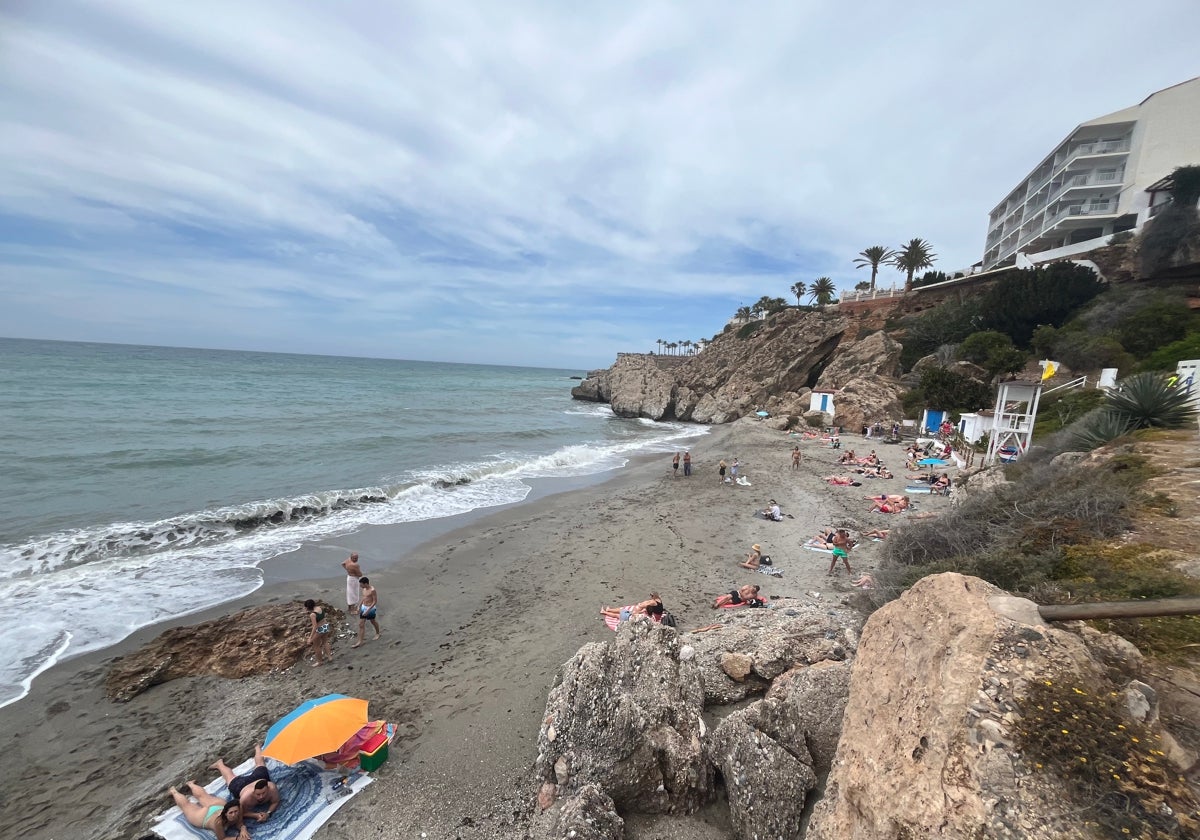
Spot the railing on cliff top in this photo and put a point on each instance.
(854, 297)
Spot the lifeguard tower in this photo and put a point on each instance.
(1012, 423)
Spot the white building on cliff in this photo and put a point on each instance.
(1097, 181)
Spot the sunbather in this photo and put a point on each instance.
(753, 558)
(772, 511)
(891, 505)
(253, 789)
(652, 608)
(877, 534)
(210, 812)
(864, 581)
(747, 595)
(847, 457)
(842, 481)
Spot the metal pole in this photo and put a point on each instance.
(1121, 609)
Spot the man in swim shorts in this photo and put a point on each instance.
(367, 610)
(353, 573)
(254, 789)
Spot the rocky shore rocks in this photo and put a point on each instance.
(926, 726)
(771, 365)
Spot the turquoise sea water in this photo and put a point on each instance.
(142, 483)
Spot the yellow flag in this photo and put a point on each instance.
(1050, 370)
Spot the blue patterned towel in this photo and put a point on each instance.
(307, 800)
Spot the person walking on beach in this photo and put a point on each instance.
(721, 467)
(841, 549)
(367, 610)
(687, 463)
(675, 466)
(353, 573)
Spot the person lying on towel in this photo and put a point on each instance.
(651, 608)
(746, 596)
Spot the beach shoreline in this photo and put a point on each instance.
(476, 623)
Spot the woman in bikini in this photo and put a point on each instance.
(319, 634)
(747, 595)
(753, 558)
(210, 812)
(651, 607)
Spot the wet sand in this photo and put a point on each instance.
(476, 623)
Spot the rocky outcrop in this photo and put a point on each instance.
(772, 366)
(271, 637)
(929, 726)
(625, 717)
(625, 727)
(940, 712)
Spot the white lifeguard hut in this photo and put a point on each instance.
(1012, 423)
(974, 425)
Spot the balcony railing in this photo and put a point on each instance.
(1089, 179)
(852, 297)
(1097, 208)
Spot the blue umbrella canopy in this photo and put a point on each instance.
(925, 462)
(763, 413)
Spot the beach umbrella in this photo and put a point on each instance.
(931, 462)
(315, 727)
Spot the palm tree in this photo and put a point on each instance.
(822, 291)
(798, 289)
(744, 313)
(660, 346)
(874, 257)
(674, 345)
(687, 347)
(763, 306)
(913, 257)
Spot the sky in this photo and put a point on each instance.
(513, 182)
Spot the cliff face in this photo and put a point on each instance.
(773, 369)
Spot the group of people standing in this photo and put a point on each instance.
(361, 598)
(687, 464)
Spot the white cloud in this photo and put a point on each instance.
(493, 178)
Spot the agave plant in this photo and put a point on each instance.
(1147, 400)
(1097, 428)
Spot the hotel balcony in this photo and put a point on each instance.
(1108, 207)
(1100, 147)
(1087, 179)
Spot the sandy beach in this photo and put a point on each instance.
(475, 626)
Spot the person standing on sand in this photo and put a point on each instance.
(796, 457)
(675, 466)
(733, 469)
(721, 467)
(353, 573)
(841, 549)
(367, 610)
(687, 462)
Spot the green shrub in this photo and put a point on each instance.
(1166, 358)
(1154, 326)
(1097, 428)
(749, 328)
(1023, 301)
(952, 391)
(1057, 412)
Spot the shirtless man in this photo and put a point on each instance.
(796, 458)
(367, 610)
(353, 573)
(254, 789)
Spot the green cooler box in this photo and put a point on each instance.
(374, 752)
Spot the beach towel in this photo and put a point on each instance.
(307, 798)
(743, 481)
(816, 545)
(614, 622)
(918, 488)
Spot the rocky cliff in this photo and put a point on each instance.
(772, 365)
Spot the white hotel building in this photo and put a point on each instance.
(1101, 179)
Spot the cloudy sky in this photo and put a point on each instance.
(517, 182)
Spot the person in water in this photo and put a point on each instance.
(210, 812)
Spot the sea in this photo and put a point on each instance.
(145, 483)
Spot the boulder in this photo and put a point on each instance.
(766, 782)
(868, 399)
(809, 701)
(773, 641)
(587, 814)
(929, 732)
(624, 715)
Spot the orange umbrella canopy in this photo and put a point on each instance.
(315, 727)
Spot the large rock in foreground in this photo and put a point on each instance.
(625, 717)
